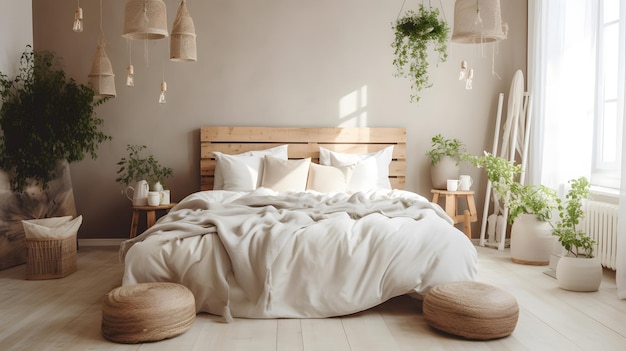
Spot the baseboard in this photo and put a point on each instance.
(99, 242)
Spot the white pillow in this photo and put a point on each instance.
(283, 175)
(329, 179)
(219, 174)
(371, 171)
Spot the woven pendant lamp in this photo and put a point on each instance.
(183, 38)
(101, 78)
(478, 21)
(145, 19)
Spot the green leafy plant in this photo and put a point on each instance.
(501, 172)
(414, 34)
(574, 240)
(45, 118)
(440, 146)
(138, 167)
(539, 200)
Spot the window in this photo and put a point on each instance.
(576, 67)
(609, 106)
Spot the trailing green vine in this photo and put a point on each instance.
(414, 33)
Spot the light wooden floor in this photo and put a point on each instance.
(65, 314)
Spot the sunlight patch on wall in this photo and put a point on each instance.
(353, 108)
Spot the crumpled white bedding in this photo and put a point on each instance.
(300, 255)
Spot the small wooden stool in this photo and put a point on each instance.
(150, 216)
(451, 207)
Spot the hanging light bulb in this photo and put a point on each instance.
(130, 70)
(130, 77)
(463, 72)
(470, 77)
(78, 19)
(163, 90)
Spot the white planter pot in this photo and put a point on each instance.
(447, 168)
(531, 241)
(579, 273)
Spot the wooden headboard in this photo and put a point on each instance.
(303, 143)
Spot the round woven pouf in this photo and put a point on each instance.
(472, 310)
(147, 312)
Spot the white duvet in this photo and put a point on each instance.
(300, 255)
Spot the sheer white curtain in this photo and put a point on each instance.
(621, 225)
(561, 77)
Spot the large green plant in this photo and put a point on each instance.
(414, 34)
(138, 167)
(440, 147)
(45, 118)
(573, 239)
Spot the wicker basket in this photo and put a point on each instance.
(50, 258)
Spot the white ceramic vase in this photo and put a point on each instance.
(446, 168)
(531, 240)
(579, 273)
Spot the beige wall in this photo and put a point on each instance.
(270, 63)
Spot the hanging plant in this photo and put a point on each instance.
(414, 34)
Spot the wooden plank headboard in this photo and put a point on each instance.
(303, 142)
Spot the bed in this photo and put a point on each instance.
(301, 223)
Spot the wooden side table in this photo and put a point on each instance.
(150, 216)
(451, 207)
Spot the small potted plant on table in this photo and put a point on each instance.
(445, 155)
(140, 174)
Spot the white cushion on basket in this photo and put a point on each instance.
(52, 228)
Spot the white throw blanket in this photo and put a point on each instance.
(268, 255)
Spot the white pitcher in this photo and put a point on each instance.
(140, 193)
(465, 182)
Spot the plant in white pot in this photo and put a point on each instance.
(137, 171)
(530, 210)
(445, 155)
(578, 269)
(48, 120)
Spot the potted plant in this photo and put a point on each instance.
(502, 175)
(46, 118)
(415, 33)
(530, 210)
(47, 121)
(445, 155)
(137, 167)
(578, 269)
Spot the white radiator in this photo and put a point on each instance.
(601, 224)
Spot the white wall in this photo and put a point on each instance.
(271, 63)
(16, 30)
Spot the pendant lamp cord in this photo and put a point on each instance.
(100, 43)
(443, 13)
(399, 12)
